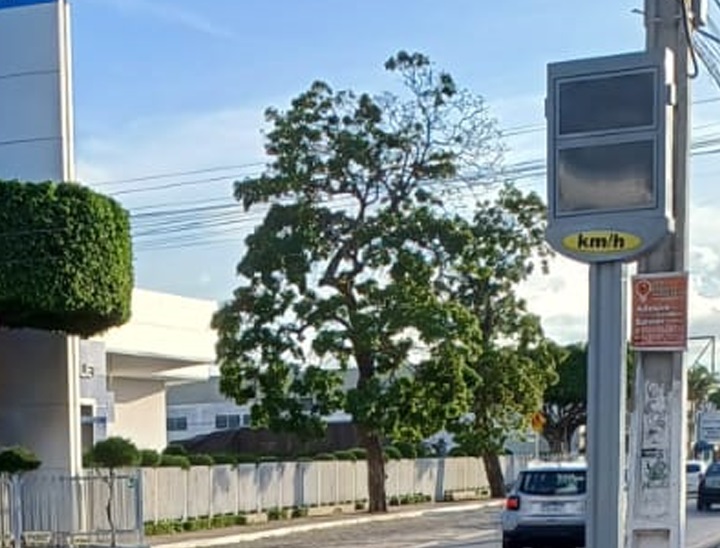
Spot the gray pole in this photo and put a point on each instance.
(606, 406)
(657, 479)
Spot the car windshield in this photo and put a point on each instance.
(713, 470)
(692, 468)
(551, 482)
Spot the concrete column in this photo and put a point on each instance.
(39, 396)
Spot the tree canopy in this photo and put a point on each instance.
(363, 261)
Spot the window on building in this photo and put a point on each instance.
(246, 419)
(175, 424)
(225, 422)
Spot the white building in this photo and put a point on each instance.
(198, 408)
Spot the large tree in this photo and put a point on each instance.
(344, 271)
(565, 402)
(516, 364)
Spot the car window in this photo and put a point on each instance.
(548, 483)
(692, 468)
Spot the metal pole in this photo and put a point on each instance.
(657, 482)
(606, 406)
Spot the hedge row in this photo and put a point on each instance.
(177, 456)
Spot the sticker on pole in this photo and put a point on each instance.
(660, 311)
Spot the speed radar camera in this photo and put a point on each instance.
(608, 155)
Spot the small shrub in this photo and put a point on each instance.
(268, 458)
(240, 519)
(299, 512)
(201, 460)
(178, 461)
(175, 449)
(324, 456)
(224, 458)
(394, 501)
(246, 458)
(275, 514)
(345, 455)
(149, 457)
(16, 460)
(407, 449)
(393, 453)
(360, 453)
(115, 452)
(359, 505)
(457, 452)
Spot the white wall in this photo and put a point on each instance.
(201, 417)
(139, 412)
(39, 391)
(166, 325)
(35, 111)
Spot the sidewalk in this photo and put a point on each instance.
(249, 533)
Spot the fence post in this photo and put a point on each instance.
(140, 506)
(17, 523)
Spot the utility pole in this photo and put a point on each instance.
(656, 497)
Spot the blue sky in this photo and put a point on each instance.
(168, 86)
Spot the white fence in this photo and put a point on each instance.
(172, 493)
(64, 508)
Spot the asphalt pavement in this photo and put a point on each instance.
(466, 525)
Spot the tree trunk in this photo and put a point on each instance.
(108, 508)
(376, 471)
(494, 475)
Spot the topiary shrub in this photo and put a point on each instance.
(67, 259)
(201, 460)
(324, 456)
(175, 449)
(359, 452)
(149, 457)
(178, 461)
(113, 453)
(16, 460)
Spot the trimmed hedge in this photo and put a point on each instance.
(66, 258)
(16, 460)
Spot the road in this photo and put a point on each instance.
(478, 529)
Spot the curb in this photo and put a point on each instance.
(291, 529)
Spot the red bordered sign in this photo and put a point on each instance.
(660, 311)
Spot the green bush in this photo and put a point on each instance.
(392, 453)
(16, 460)
(149, 457)
(67, 258)
(457, 452)
(201, 460)
(179, 461)
(324, 456)
(246, 458)
(394, 501)
(275, 514)
(360, 453)
(299, 512)
(407, 450)
(114, 452)
(268, 458)
(175, 449)
(345, 455)
(224, 458)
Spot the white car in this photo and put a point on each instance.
(546, 505)
(694, 471)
